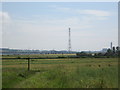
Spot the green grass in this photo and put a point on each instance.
(61, 73)
(78, 78)
(13, 76)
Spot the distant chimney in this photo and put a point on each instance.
(111, 46)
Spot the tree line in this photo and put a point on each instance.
(114, 52)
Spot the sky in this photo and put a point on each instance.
(44, 25)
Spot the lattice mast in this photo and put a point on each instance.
(69, 41)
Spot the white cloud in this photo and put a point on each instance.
(64, 9)
(99, 13)
(95, 12)
(4, 17)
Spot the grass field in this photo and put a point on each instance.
(60, 73)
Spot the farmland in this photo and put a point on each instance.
(59, 73)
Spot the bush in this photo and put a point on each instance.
(19, 57)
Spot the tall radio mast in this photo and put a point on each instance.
(69, 41)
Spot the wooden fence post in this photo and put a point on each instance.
(28, 64)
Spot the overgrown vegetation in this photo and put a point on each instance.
(61, 73)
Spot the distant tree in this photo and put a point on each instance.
(109, 53)
(18, 57)
(84, 54)
(95, 54)
(80, 54)
(118, 51)
(99, 54)
(113, 50)
(117, 48)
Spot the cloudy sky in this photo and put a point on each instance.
(44, 25)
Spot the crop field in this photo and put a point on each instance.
(59, 73)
